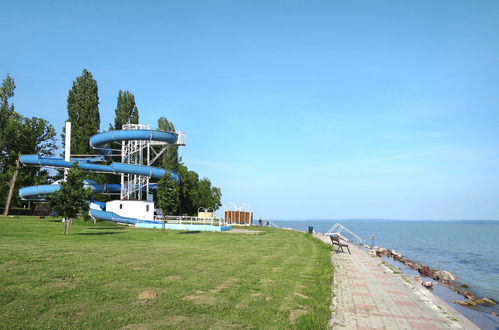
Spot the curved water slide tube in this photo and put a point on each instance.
(100, 143)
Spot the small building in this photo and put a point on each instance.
(142, 210)
(242, 218)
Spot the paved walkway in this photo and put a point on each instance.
(370, 295)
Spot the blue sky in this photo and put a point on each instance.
(302, 109)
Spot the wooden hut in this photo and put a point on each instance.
(241, 218)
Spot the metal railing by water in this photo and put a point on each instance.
(339, 230)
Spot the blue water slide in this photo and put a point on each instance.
(100, 143)
(116, 168)
(111, 216)
(37, 192)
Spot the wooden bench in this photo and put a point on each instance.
(336, 241)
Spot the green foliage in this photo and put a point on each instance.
(6, 112)
(196, 193)
(168, 196)
(69, 201)
(202, 281)
(126, 110)
(170, 158)
(21, 135)
(208, 196)
(83, 113)
(193, 192)
(6, 92)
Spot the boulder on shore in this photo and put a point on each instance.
(444, 275)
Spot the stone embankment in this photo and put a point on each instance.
(368, 294)
(441, 276)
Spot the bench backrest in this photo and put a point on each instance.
(335, 240)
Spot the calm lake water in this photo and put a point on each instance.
(468, 249)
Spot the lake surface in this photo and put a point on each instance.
(468, 249)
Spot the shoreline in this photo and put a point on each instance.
(430, 299)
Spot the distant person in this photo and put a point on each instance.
(260, 222)
(267, 223)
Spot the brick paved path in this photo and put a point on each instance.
(369, 295)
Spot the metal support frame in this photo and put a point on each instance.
(138, 152)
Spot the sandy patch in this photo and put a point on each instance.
(172, 278)
(148, 294)
(225, 285)
(301, 295)
(295, 314)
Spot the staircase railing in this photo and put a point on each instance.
(338, 229)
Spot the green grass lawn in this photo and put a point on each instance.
(111, 276)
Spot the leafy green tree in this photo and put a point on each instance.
(207, 196)
(193, 192)
(6, 109)
(170, 158)
(188, 187)
(168, 196)
(126, 110)
(20, 135)
(196, 193)
(27, 136)
(83, 113)
(69, 200)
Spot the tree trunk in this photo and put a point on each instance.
(67, 225)
(12, 185)
(66, 221)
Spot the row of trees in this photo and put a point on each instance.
(19, 135)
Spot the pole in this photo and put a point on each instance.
(67, 147)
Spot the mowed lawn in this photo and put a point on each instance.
(112, 276)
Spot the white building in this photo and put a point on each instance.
(142, 210)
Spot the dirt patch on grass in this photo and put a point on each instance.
(266, 281)
(60, 284)
(148, 294)
(205, 298)
(138, 268)
(295, 314)
(8, 263)
(225, 285)
(301, 295)
(172, 278)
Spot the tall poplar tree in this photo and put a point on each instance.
(126, 110)
(6, 110)
(83, 113)
(169, 159)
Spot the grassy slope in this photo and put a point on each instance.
(93, 278)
